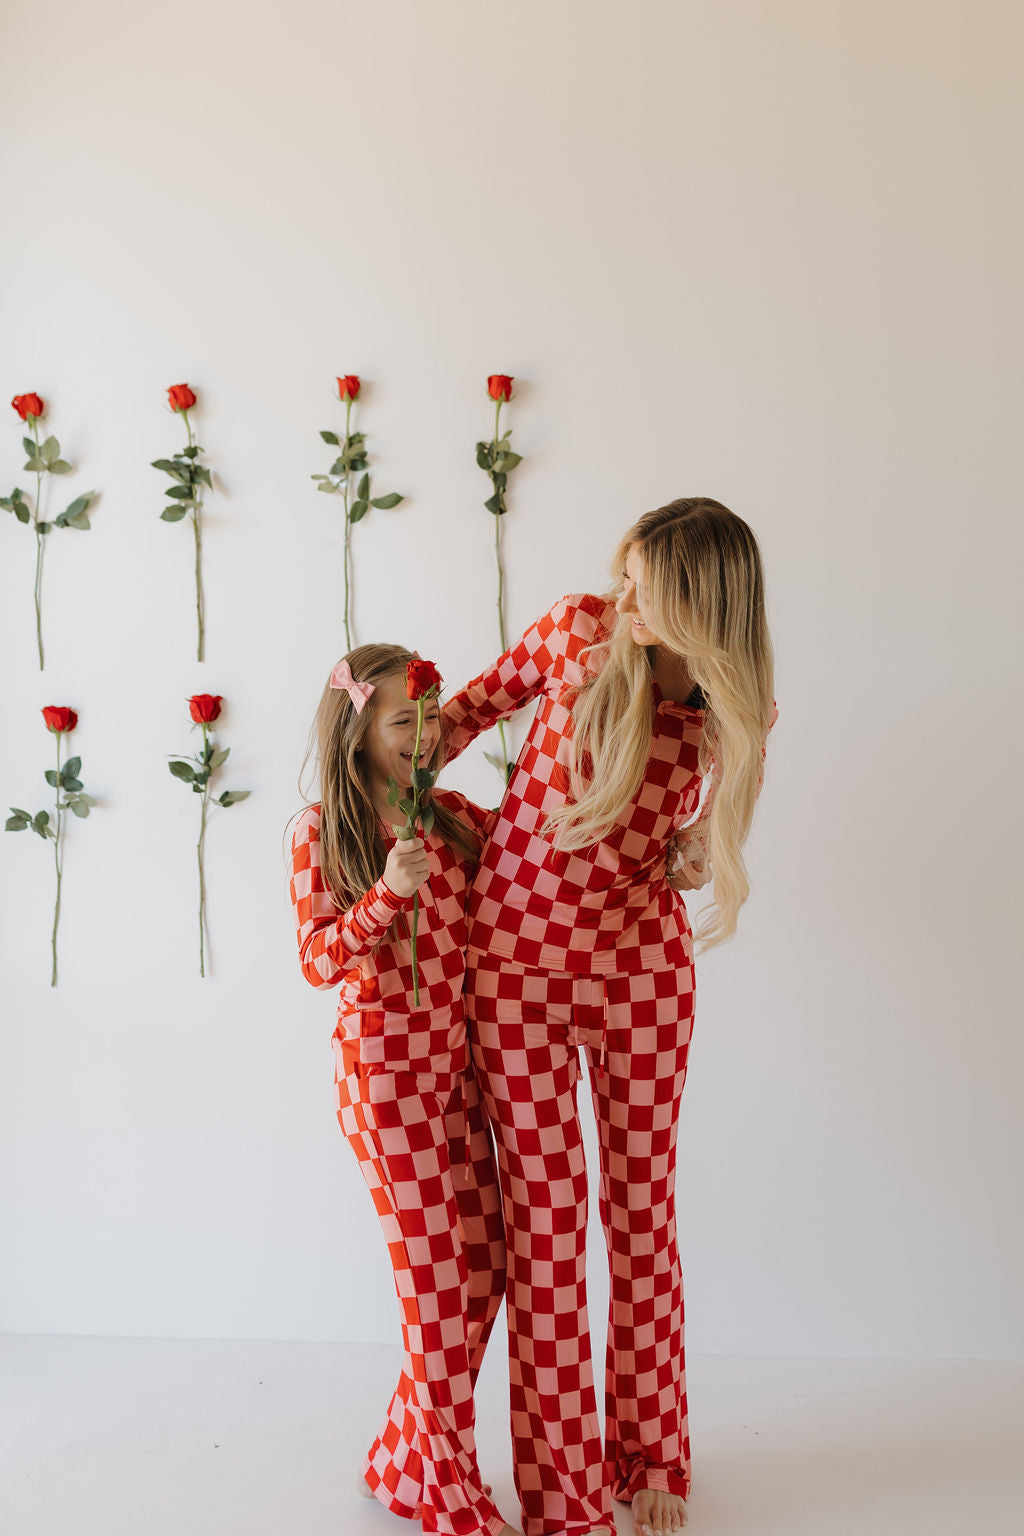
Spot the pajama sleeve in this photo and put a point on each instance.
(515, 679)
(331, 941)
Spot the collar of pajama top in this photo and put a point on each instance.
(378, 1021)
(603, 909)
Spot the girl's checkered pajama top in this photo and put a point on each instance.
(590, 947)
(410, 1108)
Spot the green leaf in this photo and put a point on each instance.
(329, 487)
(495, 503)
(40, 822)
(15, 824)
(393, 792)
(183, 771)
(363, 488)
(51, 777)
(19, 812)
(21, 512)
(496, 762)
(73, 767)
(190, 453)
(357, 511)
(427, 819)
(50, 450)
(67, 783)
(79, 807)
(173, 514)
(44, 528)
(169, 468)
(81, 521)
(203, 474)
(331, 437)
(179, 492)
(484, 454)
(60, 467)
(406, 833)
(356, 464)
(86, 799)
(407, 806)
(386, 502)
(507, 461)
(29, 446)
(422, 778)
(78, 505)
(339, 467)
(219, 757)
(233, 796)
(36, 464)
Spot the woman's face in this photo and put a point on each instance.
(388, 744)
(631, 603)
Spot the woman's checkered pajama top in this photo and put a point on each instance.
(410, 1108)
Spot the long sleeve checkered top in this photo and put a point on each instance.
(603, 909)
(367, 954)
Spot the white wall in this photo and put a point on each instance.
(765, 252)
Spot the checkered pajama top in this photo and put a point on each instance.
(603, 909)
(378, 1023)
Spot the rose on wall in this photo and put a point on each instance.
(352, 460)
(422, 682)
(497, 460)
(205, 709)
(69, 796)
(44, 458)
(186, 494)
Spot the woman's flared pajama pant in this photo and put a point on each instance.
(426, 1157)
(527, 1027)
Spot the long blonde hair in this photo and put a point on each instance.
(704, 598)
(352, 850)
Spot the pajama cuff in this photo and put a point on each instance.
(629, 1477)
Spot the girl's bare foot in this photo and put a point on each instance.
(658, 1514)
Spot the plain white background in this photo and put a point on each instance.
(765, 252)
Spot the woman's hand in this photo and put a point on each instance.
(686, 862)
(406, 868)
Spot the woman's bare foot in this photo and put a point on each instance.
(658, 1514)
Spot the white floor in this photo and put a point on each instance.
(136, 1437)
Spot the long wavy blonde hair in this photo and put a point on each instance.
(704, 598)
(352, 850)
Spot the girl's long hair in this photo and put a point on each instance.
(704, 598)
(352, 850)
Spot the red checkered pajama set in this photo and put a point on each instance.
(588, 948)
(409, 1106)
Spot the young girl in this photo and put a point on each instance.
(407, 1100)
(577, 938)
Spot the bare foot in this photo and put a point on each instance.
(658, 1514)
(363, 1486)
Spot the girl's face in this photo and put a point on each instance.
(631, 603)
(388, 744)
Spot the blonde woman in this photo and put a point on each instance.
(577, 937)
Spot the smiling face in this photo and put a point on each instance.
(388, 744)
(631, 603)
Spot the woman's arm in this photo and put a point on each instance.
(515, 678)
(331, 941)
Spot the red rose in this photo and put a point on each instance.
(422, 679)
(181, 397)
(58, 719)
(205, 707)
(349, 387)
(499, 386)
(28, 405)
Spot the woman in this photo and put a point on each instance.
(577, 938)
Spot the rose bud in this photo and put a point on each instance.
(499, 386)
(181, 397)
(420, 678)
(28, 405)
(205, 707)
(349, 387)
(58, 719)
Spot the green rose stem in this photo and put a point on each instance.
(199, 851)
(40, 543)
(197, 529)
(501, 585)
(58, 862)
(420, 707)
(348, 526)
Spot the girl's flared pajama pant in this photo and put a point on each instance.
(527, 1027)
(426, 1157)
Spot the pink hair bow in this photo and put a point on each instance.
(342, 677)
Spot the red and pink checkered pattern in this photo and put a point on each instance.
(440, 1210)
(527, 1029)
(376, 1013)
(604, 909)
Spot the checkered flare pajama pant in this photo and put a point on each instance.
(635, 1029)
(426, 1157)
